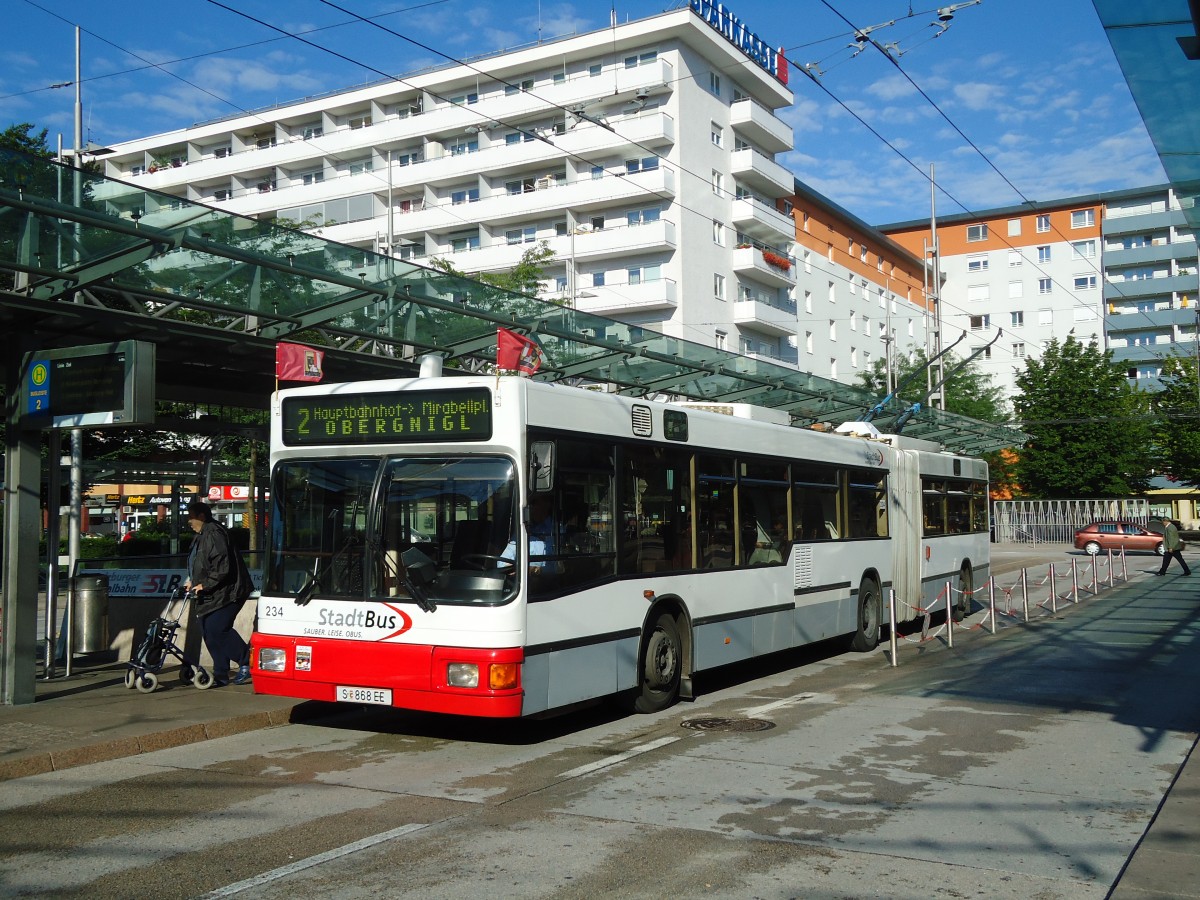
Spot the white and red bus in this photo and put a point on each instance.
(405, 567)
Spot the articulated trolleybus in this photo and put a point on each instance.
(505, 547)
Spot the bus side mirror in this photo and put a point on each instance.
(419, 572)
(541, 465)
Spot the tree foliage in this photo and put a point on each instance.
(1090, 433)
(1177, 420)
(523, 278)
(22, 137)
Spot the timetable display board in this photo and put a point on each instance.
(460, 414)
(91, 385)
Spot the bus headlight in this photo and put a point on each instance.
(272, 659)
(463, 675)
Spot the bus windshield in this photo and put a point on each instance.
(343, 526)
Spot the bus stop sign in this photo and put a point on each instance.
(92, 385)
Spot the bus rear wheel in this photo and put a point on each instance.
(660, 666)
(966, 584)
(870, 617)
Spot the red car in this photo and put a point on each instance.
(1117, 536)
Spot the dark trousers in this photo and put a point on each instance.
(224, 644)
(1167, 556)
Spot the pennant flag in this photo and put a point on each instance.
(517, 353)
(295, 362)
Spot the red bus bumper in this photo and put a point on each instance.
(415, 674)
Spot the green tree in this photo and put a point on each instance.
(968, 392)
(1090, 432)
(523, 278)
(23, 138)
(1177, 423)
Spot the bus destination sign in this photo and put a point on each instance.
(463, 414)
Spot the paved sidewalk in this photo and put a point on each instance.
(92, 716)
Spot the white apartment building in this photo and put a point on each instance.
(643, 154)
(1119, 266)
(1034, 275)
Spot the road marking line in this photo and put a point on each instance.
(771, 707)
(620, 757)
(309, 862)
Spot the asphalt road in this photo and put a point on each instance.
(1022, 764)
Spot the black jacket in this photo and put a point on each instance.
(216, 564)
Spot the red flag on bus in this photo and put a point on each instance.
(517, 353)
(296, 362)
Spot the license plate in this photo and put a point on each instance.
(377, 696)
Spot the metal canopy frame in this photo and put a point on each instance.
(142, 261)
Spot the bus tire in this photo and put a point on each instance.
(660, 666)
(870, 617)
(966, 584)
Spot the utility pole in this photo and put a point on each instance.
(936, 377)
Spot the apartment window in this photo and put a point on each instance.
(521, 235)
(1043, 253)
(977, 263)
(460, 148)
(1016, 290)
(1045, 285)
(981, 322)
(407, 159)
(832, 288)
(595, 69)
(718, 233)
(714, 84)
(465, 241)
(465, 99)
(641, 274)
(514, 137)
(984, 352)
(360, 122)
(1014, 258)
(1043, 224)
(808, 342)
(597, 279)
(718, 182)
(978, 293)
(222, 152)
(1083, 250)
(977, 233)
(853, 321)
(597, 223)
(833, 369)
(1018, 350)
(222, 195)
(866, 326)
(560, 283)
(807, 262)
(647, 164)
(558, 77)
(805, 215)
(597, 172)
(718, 286)
(643, 216)
(464, 196)
(715, 135)
(511, 89)
(1045, 317)
(632, 62)
(1085, 282)
(854, 357)
(360, 166)
(313, 177)
(720, 340)
(833, 329)
(1014, 227)
(862, 253)
(137, 170)
(1016, 318)
(1083, 218)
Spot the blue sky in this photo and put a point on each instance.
(1032, 84)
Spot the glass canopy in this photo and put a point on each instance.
(66, 235)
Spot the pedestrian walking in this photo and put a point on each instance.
(222, 585)
(1172, 548)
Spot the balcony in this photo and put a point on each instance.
(1143, 223)
(610, 243)
(618, 298)
(761, 220)
(764, 175)
(1123, 320)
(764, 317)
(760, 126)
(1150, 287)
(1141, 256)
(751, 261)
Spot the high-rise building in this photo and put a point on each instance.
(1119, 267)
(643, 154)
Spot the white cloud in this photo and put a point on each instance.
(979, 95)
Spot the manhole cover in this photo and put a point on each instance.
(714, 723)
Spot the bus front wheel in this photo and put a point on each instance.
(870, 617)
(659, 666)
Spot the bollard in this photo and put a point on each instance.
(1124, 571)
(1053, 590)
(992, 601)
(1025, 593)
(1075, 579)
(892, 614)
(1095, 584)
(949, 615)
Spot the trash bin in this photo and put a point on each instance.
(89, 626)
